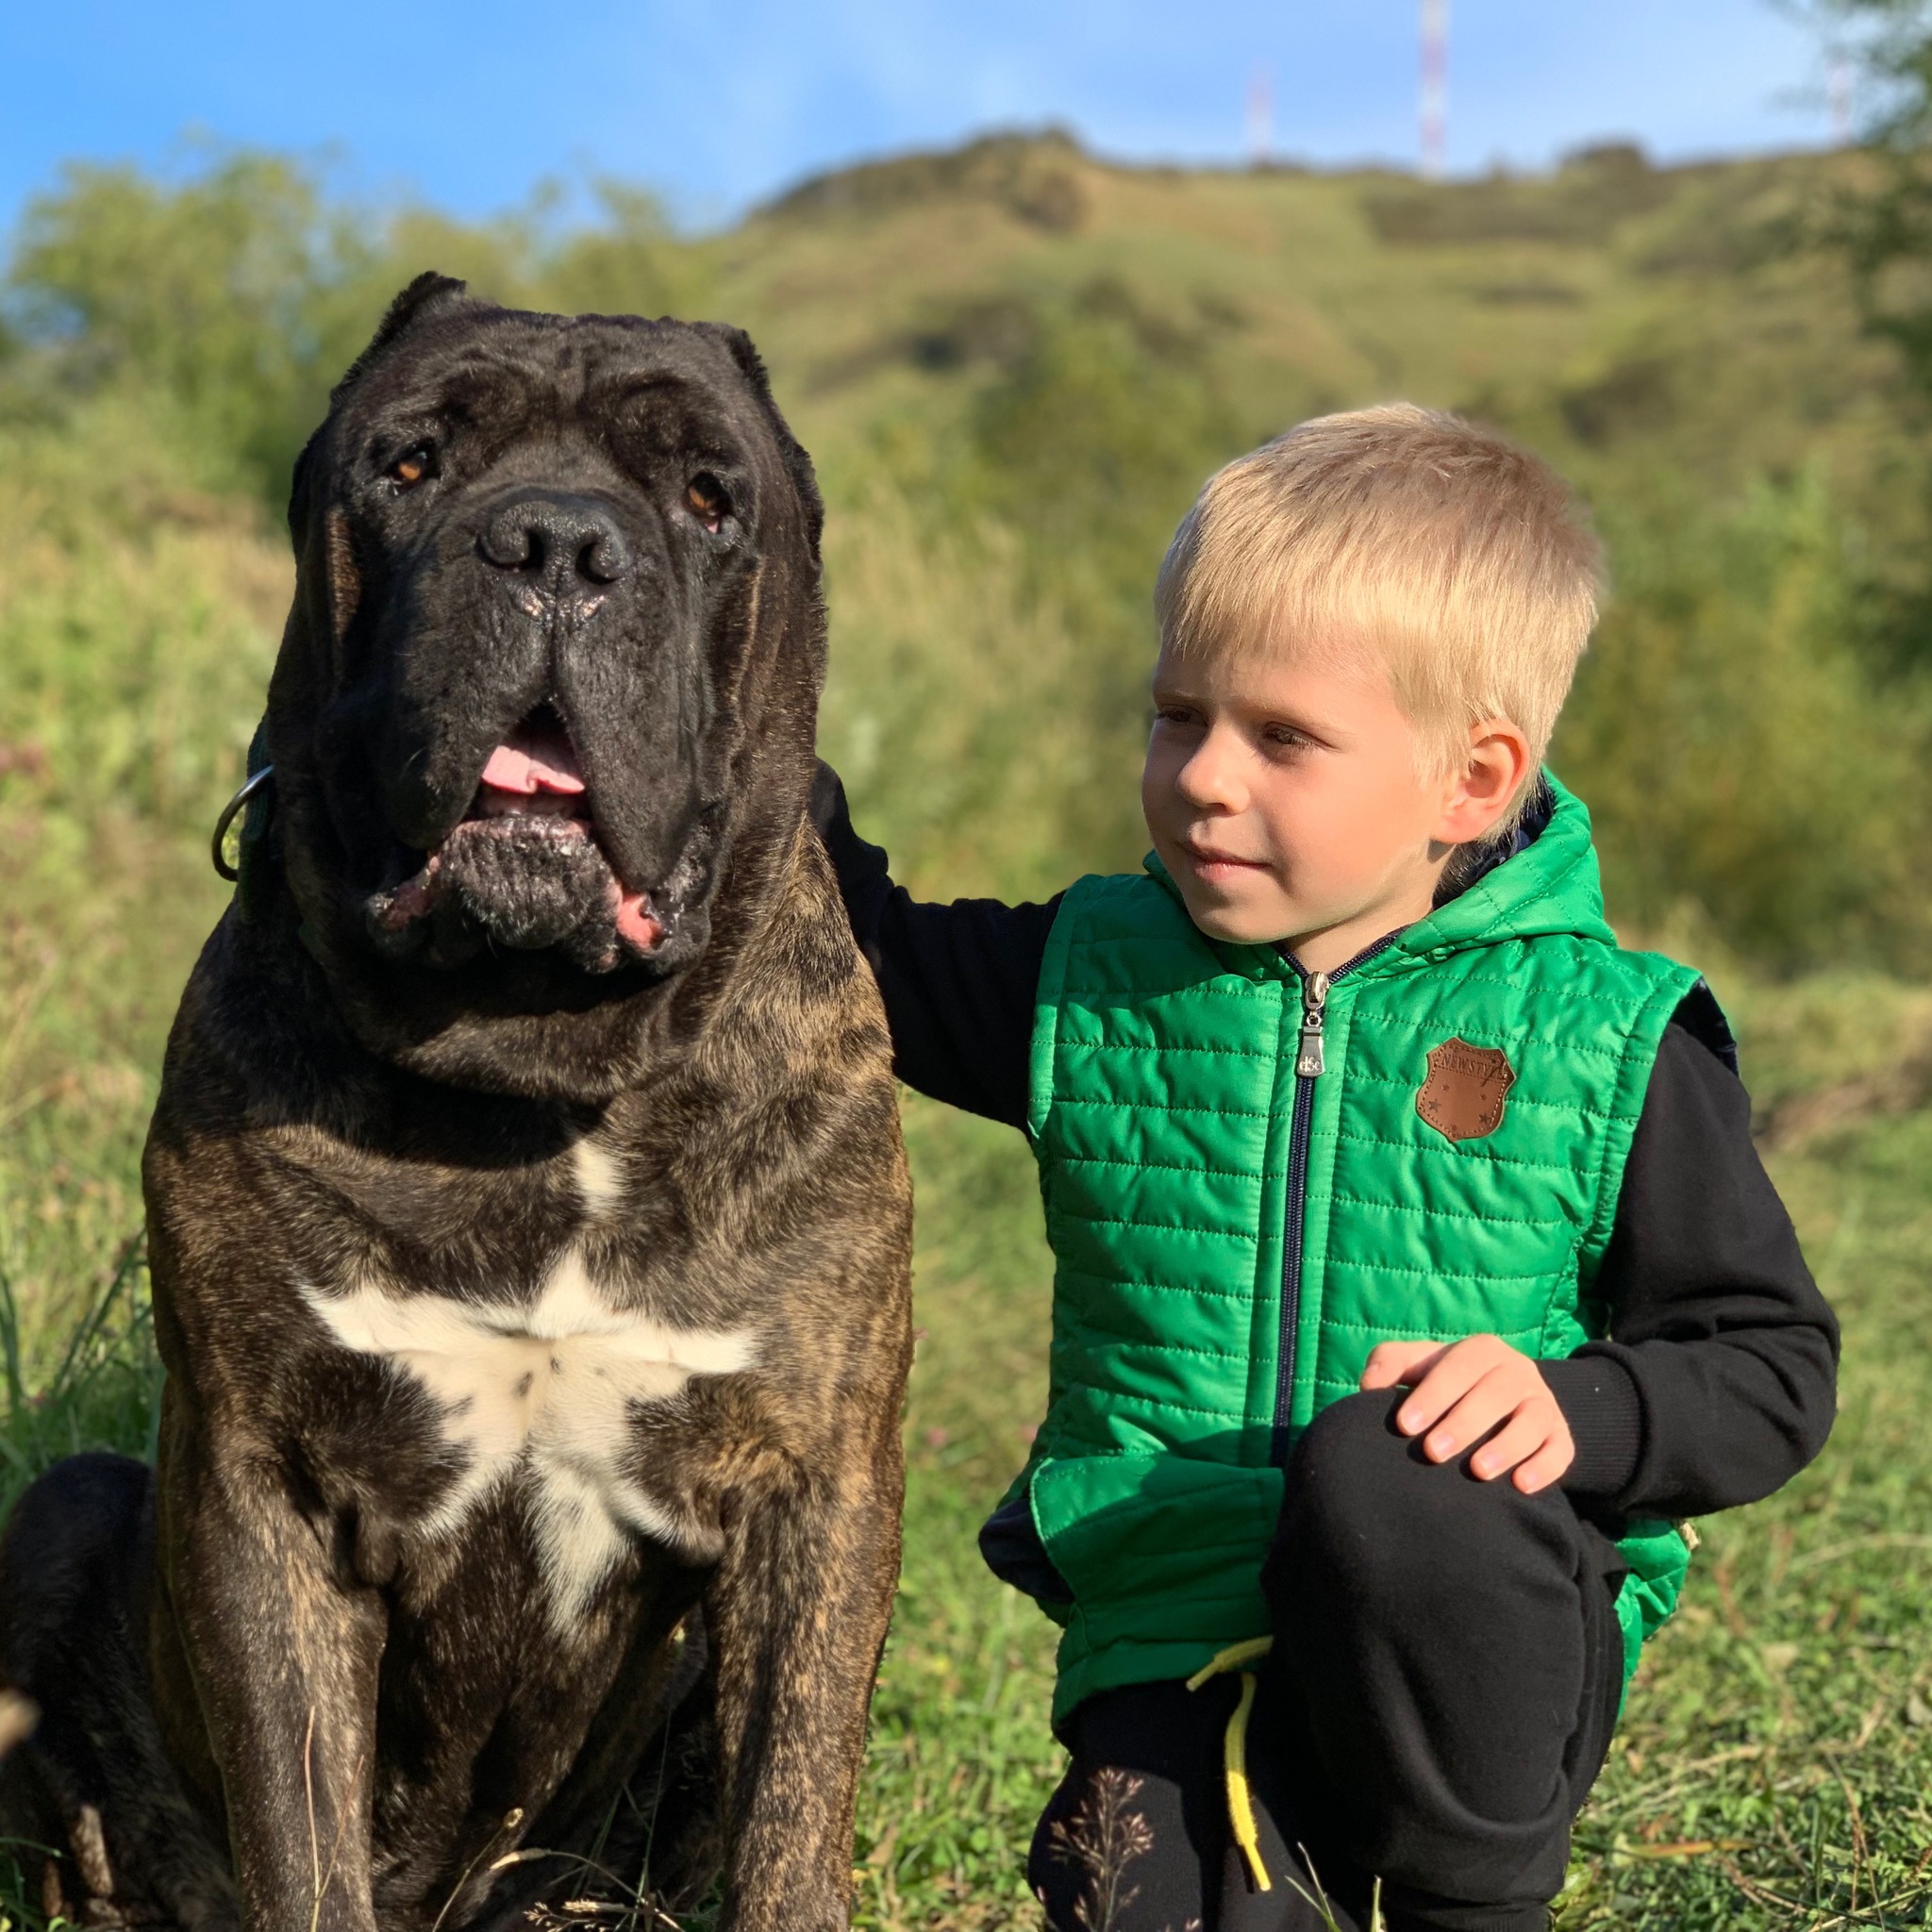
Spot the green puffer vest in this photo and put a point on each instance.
(1204, 1200)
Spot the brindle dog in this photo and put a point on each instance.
(527, 1207)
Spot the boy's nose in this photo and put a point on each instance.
(1210, 776)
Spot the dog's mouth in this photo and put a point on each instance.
(524, 867)
(534, 773)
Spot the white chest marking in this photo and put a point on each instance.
(600, 1181)
(548, 1389)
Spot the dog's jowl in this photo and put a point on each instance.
(527, 1215)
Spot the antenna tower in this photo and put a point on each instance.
(1260, 116)
(1837, 95)
(1434, 89)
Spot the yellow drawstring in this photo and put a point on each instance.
(1240, 1806)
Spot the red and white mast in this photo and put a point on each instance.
(1260, 116)
(1435, 87)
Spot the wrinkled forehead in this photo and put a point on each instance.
(511, 375)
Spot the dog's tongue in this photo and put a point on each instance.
(534, 759)
(537, 761)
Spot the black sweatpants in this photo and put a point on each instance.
(1445, 1682)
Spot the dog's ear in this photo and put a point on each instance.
(429, 294)
(805, 480)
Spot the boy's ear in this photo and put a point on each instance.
(1498, 764)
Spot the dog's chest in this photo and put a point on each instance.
(543, 1393)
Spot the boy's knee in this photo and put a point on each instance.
(1367, 1515)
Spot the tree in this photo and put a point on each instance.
(237, 293)
(1882, 217)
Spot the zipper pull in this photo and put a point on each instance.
(1308, 1062)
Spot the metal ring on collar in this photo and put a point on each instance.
(256, 780)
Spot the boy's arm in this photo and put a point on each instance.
(1717, 1382)
(958, 981)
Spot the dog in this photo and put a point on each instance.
(527, 1215)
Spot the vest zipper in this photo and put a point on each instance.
(1311, 1063)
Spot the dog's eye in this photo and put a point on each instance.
(707, 500)
(413, 467)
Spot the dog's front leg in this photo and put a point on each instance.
(797, 1615)
(284, 1659)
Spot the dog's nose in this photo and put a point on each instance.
(556, 543)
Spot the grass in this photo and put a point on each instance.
(1774, 1765)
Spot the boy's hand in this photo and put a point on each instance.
(1463, 1392)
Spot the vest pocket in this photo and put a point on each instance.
(1158, 1549)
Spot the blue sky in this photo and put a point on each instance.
(469, 102)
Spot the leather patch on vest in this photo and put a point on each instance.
(1463, 1095)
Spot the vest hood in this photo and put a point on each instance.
(1552, 885)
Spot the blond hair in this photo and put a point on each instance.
(1463, 562)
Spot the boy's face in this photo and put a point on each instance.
(1287, 799)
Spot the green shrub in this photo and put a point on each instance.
(1741, 754)
(235, 295)
(138, 618)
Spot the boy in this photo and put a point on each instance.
(1415, 1271)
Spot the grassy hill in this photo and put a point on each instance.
(1612, 310)
(1014, 363)
(1021, 337)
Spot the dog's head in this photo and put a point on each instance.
(549, 681)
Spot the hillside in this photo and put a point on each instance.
(1017, 336)
(1014, 363)
(1612, 310)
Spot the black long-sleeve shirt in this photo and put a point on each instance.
(1717, 1381)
